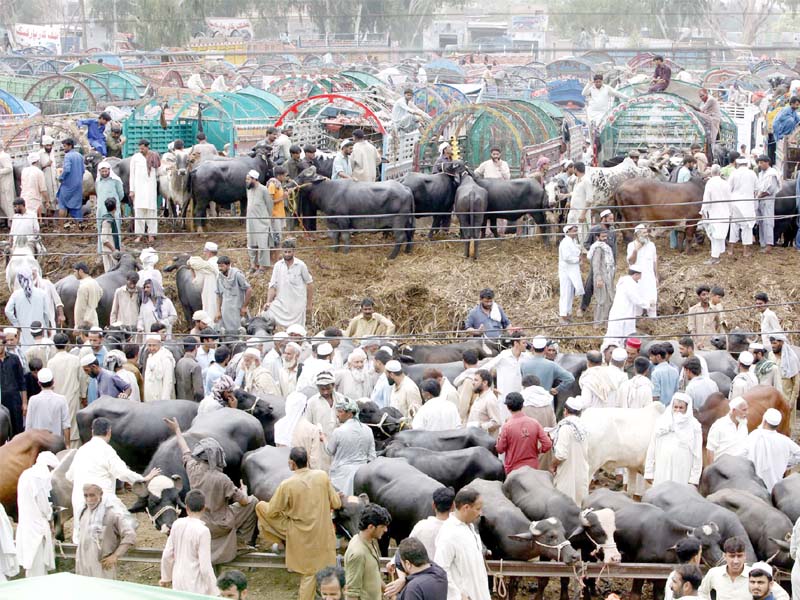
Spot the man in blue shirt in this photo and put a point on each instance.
(546, 370)
(487, 318)
(342, 169)
(70, 193)
(96, 131)
(663, 376)
(786, 120)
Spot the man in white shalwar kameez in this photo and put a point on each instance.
(9, 566)
(159, 371)
(743, 182)
(628, 303)
(205, 272)
(47, 162)
(459, 550)
(570, 451)
(716, 213)
(34, 537)
(675, 452)
(598, 383)
(771, 453)
(143, 191)
(642, 254)
(569, 272)
(290, 292)
(27, 305)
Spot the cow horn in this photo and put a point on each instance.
(522, 537)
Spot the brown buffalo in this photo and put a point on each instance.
(20, 454)
(759, 399)
(665, 205)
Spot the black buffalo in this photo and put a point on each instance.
(355, 205)
(450, 370)
(786, 496)
(222, 180)
(442, 441)
(510, 535)
(5, 425)
(267, 409)
(732, 472)
(67, 288)
(471, 204)
(137, 428)
(189, 293)
(786, 213)
(434, 195)
(454, 468)
(235, 430)
(161, 499)
(445, 353)
(511, 199)
(385, 422)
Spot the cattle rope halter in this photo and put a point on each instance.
(558, 547)
(159, 513)
(606, 547)
(252, 409)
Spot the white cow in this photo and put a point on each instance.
(619, 437)
(16, 257)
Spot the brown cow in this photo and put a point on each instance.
(663, 204)
(759, 399)
(20, 454)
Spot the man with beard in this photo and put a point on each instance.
(204, 275)
(108, 384)
(405, 395)
(259, 223)
(233, 293)
(485, 412)
(352, 381)
(603, 266)
(159, 372)
(320, 409)
(642, 254)
(289, 369)
(47, 163)
(272, 359)
(257, 380)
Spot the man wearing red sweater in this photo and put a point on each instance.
(521, 438)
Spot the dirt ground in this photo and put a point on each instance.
(432, 289)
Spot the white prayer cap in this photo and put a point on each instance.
(10, 331)
(762, 566)
(442, 146)
(619, 354)
(568, 226)
(394, 366)
(575, 404)
(33, 157)
(296, 329)
(773, 416)
(88, 359)
(387, 349)
(281, 335)
(605, 345)
(682, 397)
(746, 358)
(45, 375)
(324, 349)
(567, 163)
(95, 329)
(635, 269)
(253, 174)
(345, 143)
(171, 146)
(324, 378)
(737, 402)
(539, 342)
(605, 213)
(253, 352)
(104, 165)
(756, 346)
(201, 315)
(640, 226)
(152, 337)
(741, 160)
(210, 247)
(47, 140)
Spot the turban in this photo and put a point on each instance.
(346, 404)
(209, 450)
(222, 385)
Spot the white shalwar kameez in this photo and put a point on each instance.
(628, 303)
(159, 376)
(437, 414)
(771, 454)
(205, 277)
(716, 213)
(648, 286)
(459, 552)
(793, 547)
(569, 275)
(34, 538)
(289, 306)
(675, 452)
(145, 201)
(743, 182)
(9, 566)
(571, 447)
(351, 445)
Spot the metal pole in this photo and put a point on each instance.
(84, 26)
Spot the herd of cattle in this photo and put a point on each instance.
(523, 515)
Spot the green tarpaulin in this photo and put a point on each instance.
(67, 586)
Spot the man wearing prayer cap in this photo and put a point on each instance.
(48, 410)
(767, 372)
(629, 301)
(314, 365)
(205, 270)
(743, 182)
(405, 395)
(291, 290)
(108, 384)
(272, 359)
(771, 453)
(33, 188)
(570, 451)
(342, 167)
(230, 511)
(745, 378)
(259, 225)
(445, 156)
(551, 376)
(257, 379)
(159, 371)
(47, 164)
(34, 538)
(320, 410)
(351, 445)
(789, 366)
(107, 185)
(201, 320)
(365, 158)
(728, 434)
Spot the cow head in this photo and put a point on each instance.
(738, 341)
(178, 261)
(549, 541)
(262, 324)
(91, 160)
(455, 169)
(780, 549)
(160, 498)
(346, 518)
(309, 176)
(710, 538)
(599, 527)
(258, 407)
(384, 422)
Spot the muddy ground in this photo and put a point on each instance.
(432, 289)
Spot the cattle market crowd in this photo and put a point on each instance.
(244, 430)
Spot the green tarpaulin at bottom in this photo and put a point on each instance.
(68, 586)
